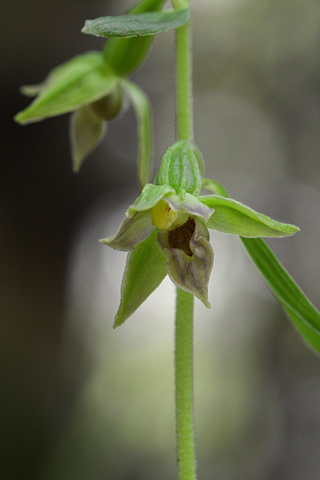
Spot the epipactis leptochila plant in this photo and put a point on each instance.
(166, 228)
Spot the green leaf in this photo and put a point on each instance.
(300, 310)
(235, 218)
(124, 55)
(136, 25)
(145, 270)
(70, 86)
(142, 109)
(86, 132)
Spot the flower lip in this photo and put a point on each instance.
(189, 257)
(181, 236)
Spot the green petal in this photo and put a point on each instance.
(150, 196)
(185, 202)
(132, 231)
(235, 218)
(136, 25)
(142, 108)
(304, 315)
(145, 270)
(74, 84)
(190, 272)
(86, 132)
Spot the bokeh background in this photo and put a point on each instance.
(83, 401)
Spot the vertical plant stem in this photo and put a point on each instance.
(184, 307)
(184, 386)
(184, 83)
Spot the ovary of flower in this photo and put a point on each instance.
(163, 216)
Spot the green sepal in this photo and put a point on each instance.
(124, 55)
(86, 132)
(181, 167)
(136, 25)
(150, 196)
(78, 82)
(234, 218)
(304, 315)
(145, 270)
(142, 109)
(133, 230)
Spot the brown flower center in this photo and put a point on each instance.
(180, 237)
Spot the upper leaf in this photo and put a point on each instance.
(136, 25)
(80, 81)
(235, 218)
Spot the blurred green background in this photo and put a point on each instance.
(83, 401)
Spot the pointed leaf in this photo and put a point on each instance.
(86, 132)
(125, 54)
(235, 218)
(137, 25)
(74, 84)
(300, 310)
(145, 270)
(142, 109)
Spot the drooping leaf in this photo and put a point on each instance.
(86, 132)
(70, 86)
(142, 109)
(145, 270)
(124, 55)
(235, 218)
(136, 25)
(303, 314)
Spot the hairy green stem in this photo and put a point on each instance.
(184, 306)
(184, 386)
(184, 83)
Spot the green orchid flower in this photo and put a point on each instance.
(166, 230)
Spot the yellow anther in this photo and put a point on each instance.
(163, 216)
